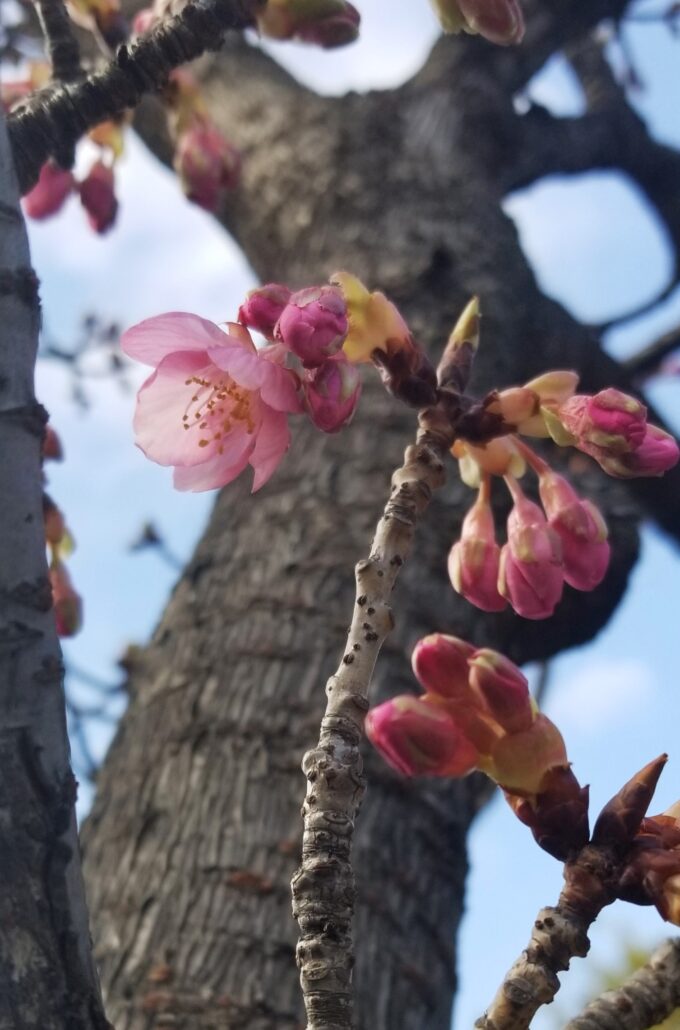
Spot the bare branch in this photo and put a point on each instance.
(323, 887)
(648, 997)
(61, 44)
(647, 361)
(558, 935)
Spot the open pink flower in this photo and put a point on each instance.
(213, 404)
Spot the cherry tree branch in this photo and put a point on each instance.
(52, 121)
(644, 1000)
(323, 887)
(558, 935)
(647, 361)
(60, 41)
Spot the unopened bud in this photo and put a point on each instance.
(581, 528)
(456, 361)
(657, 453)
(98, 198)
(262, 308)
(208, 165)
(49, 193)
(440, 663)
(419, 739)
(503, 689)
(332, 393)
(68, 606)
(474, 559)
(531, 574)
(313, 325)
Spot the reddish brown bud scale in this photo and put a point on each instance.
(620, 819)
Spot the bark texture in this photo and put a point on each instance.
(196, 831)
(47, 978)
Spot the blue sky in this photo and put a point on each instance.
(596, 248)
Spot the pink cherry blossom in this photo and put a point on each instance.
(213, 404)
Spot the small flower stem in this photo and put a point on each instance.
(644, 1000)
(323, 887)
(532, 459)
(558, 935)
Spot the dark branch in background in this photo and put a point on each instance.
(94, 355)
(647, 362)
(644, 1000)
(52, 122)
(60, 43)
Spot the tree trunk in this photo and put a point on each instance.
(195, 831)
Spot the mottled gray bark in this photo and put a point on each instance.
(47, 978)
(196, 829)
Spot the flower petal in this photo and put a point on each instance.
(155, 338)
(273, 440)
(220, 469)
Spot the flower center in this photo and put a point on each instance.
(216, 408)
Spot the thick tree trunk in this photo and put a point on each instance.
(196, 829)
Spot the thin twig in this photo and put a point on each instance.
(52, 122)
(558, 935)
(644, 1000)
(647, 361)
(323, 887)
(60, 42)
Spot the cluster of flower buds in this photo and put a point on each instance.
(499, 21)
(55, 185)
(324, 23)
(68, 608)
(477, 713)
(564, 539)
(208, 165)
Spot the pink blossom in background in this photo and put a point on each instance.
(208, 165)
(98, 198)
(213, 404)
(49, 193)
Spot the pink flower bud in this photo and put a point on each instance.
(49, 193)
(332, 393)
(474, 559)
(657, 453)
(419, 739)
(521, 761)
(332, 31)
(440, 663)
(68, 606)
(51, 447)
(531, 574)
(98, 198)
(499, 21)
(262, 308)
(313, 325)
(611, 421)
(503, 689)
(581, 528)
(208, 165)
(55, 524)
(143, 21)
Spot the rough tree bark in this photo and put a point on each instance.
(196, 830)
